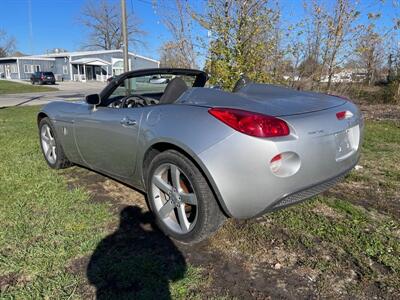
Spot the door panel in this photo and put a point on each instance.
(107, 139)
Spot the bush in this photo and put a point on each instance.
(379, 94)
(392, 92)
(372, 95)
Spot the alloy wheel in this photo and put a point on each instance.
(48, 143)
(174, 198)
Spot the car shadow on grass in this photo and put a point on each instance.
(137, 261)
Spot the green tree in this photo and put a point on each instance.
(242, 40)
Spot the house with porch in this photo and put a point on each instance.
(77, 66)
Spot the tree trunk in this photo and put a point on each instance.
(330, 73)
(397, 94)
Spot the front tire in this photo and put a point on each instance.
(51, 147)
(181, 200)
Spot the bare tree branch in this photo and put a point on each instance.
(179, 52)
(7, 44)
(104, 23)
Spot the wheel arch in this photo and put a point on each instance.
(41, 115)
(162, 146)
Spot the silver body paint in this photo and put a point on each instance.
(236, 165)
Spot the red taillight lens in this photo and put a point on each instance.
(42, 77)
(251, 123)
(344, 115)
(341, 115)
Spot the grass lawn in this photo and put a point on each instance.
(11, 87)
(45, 225)
(49, 229)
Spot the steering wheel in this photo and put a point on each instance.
(115, 104)
(135, 101)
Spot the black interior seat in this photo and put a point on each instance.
(241, 83)
(175, 88)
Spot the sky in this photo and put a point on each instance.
(54, 22)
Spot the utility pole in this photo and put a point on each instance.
(125, 35)
(30, 28)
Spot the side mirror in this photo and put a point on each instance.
(93, 99)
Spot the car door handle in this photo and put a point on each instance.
(127, 122)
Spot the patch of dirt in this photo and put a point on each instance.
(78, 267)
(273, 272)
(272, 269)
(303, 270)
(234, 276)
(229, 276)
(324, 210)
(105, 190)
(8, 280)
(12, 279)
(367, 196)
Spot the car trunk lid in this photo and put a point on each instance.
(263, 98)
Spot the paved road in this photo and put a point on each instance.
(67, 91)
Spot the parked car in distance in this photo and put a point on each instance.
(43, 78)
(200, 154)
(157, 79)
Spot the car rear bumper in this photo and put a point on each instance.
(305, 193)
(240, 165)
(47, 80)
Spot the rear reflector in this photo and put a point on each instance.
(251, 123)
(276, 163)
(344, 115)
(285, 164)
(276, 158)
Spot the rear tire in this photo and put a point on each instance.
(185, 208)
(51, 147)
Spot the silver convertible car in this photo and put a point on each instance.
(203, 154)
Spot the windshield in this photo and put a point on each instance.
(147, 85)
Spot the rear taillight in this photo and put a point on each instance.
(341, 115)
(251, 123)
(42, 77)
